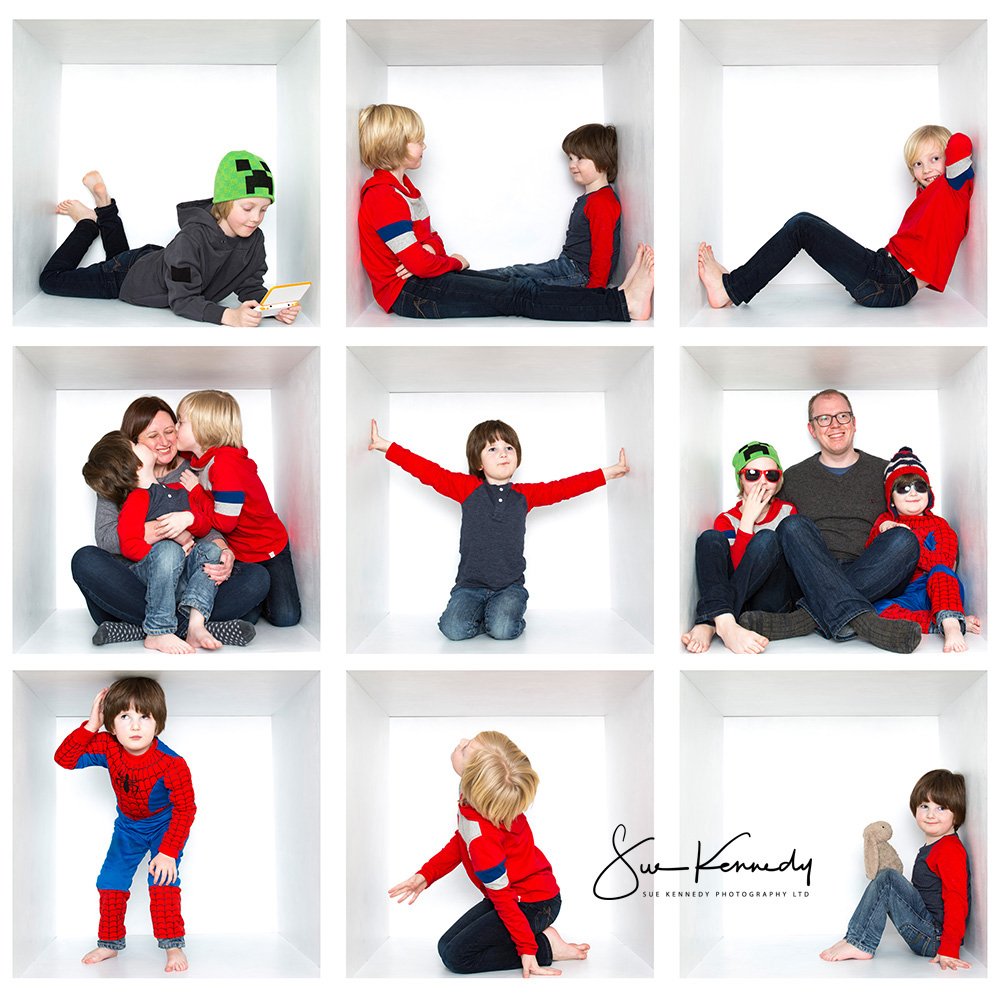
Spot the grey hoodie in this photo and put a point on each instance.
(199, 266)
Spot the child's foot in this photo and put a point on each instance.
(76, 210)
(973, 625)
(639, 294)
(94, 183)
(954, 640)
(633, 267)
(842, 951)
(565, 951)
(710, 271)
(167, 644)
(699, 638)
(176, 961)
(98, 955)
(738, 639)
(199, 637)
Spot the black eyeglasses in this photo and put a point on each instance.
(825, 419)
(752, 475)
(919, 487)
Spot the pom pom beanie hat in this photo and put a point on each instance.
(903, 463)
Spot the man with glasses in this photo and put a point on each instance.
(839, 493)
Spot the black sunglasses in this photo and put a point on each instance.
(919, 486)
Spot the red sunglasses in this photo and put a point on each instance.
(752, 475)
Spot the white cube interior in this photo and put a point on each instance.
(405, 723)
(589, 559)
(774, 107)
(139, 75)
(807, 760)
(930, 398)
(87, 389)
(496, 98)
(269, 787)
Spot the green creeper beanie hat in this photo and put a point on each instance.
(749, 452)
(242, 175)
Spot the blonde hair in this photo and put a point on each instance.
(938, 133)
(498, 781)
(215, 418)
(220, 210)
(383, 132)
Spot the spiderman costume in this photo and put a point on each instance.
(155, 811)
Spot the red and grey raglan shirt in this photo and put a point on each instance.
(393, 226)
(491, 545)
(504, 865)
(142, 505)
(145, 784)
(942, 876)
(728, 522)
(233, 499)
(938, 219)
(593, 238)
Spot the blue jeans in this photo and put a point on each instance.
(474, 610)
(761, 582)
(114, 593)
(835, 592)
(561, 271)
(282, 607)
(464, 294)
(173, 579)
(890, 895)
(873, 277)
(480, 942)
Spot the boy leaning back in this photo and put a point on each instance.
(155, 811)
(489, 594)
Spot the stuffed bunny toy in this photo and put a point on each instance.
(879, 853)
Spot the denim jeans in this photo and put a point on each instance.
(174, 580)
(561, 271)
(474, 610)
(114, 593)
(480, 942)
(873, 277)
(464, 294)
(761, 582)
(62, 275)
(835, 592)
(281, 606)
(890, 895)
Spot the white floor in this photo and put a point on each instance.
(402, 958)
(798, 958)
(546, 632)
(70, 631)
(830, 305)
(211, 956)
(375, 315)
(930, 645)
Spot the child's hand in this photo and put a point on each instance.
(288, 314)
(186, 541)
(409, 890)
(246, 315)
(530, 967)
(619, 470)
(163, 868)
(461, 260)
(402, 273)
(429, 248)
(755, 502)
(96, 720)
(377, 442)
(172, 524)
(146, 455)
(189, 480)
(886, 525)
(947, 962)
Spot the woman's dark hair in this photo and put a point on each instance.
(139, 415)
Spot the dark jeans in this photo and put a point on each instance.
(62, 275)
(281, 606)
(872, 277)
(474, 610)
(463, 294)
(479, 942)
(114, 593)
(761, 582)
(835, 592)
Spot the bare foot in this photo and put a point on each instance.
(973, 625)
(710, 271)
(842, 951)
(98, 955)
(76, 210)
(954, 640)
(94, 183)
(176, 961)
(738, 639)
(633, 267)
(199, 638)
(565, 951)
(167, 644)
(699, 638)
(639, 294)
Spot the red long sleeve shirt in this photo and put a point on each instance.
(593, 238)
(728, 522)
(941, 876)
(135, 513)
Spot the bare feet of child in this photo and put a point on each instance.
(633, 267)
(711, 271)
(842, 951)
(954, 640)
(167, 644)
(76, 210)
(94, 183)
(973, 625)
(699, 638)
(176, 961)
(738, 639)
(565, 951)
(98, 955)
(197, 635)
(639, 294)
